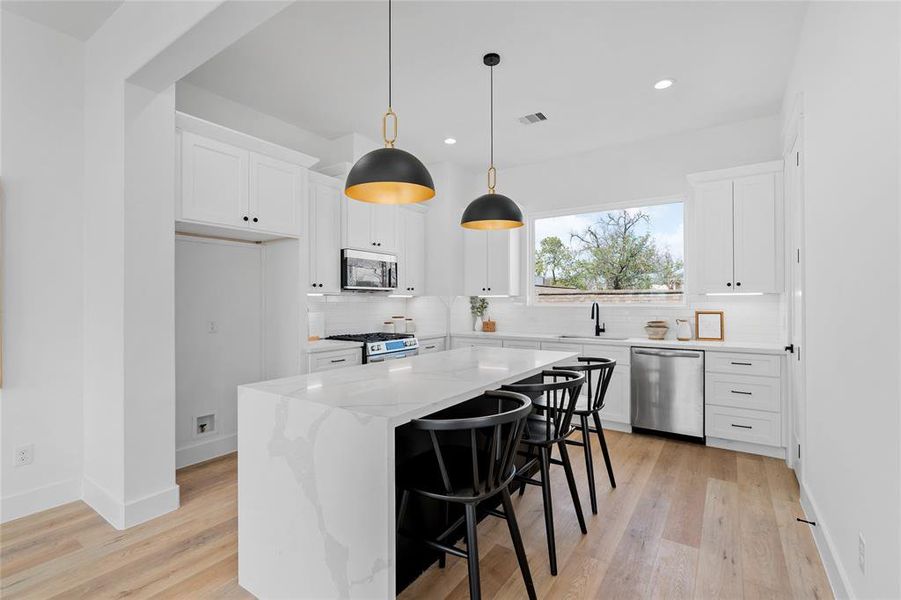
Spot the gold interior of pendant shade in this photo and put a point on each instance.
(390, 192)
(492, 224)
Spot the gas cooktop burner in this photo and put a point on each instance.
(368, 338)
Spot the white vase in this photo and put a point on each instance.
(476, 323)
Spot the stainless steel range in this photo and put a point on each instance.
(378, 347)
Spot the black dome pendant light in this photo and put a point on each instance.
(389, 175)
(492, 210)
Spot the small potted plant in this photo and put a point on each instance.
(477, 307)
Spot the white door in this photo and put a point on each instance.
(384, 227)
(475, 262)
(325, 235)
(794, 196)
(276, 189)
(755, 240)
(713, 207)
(414, 251)
(213, 181)
(358, 225)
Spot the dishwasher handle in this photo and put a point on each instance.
(667, 353)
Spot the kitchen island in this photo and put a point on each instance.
(316, 466)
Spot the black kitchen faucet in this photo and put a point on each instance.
(599, 327)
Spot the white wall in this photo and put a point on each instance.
(847, 69)
(218, 282)
(41, 120)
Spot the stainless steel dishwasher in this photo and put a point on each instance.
(668, 391)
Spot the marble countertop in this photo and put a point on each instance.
(408, 388)
(727, 346)
(331, 345)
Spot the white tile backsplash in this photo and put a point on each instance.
(355, 313)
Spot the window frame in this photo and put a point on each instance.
(531, 217)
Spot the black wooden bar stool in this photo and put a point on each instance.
(555, 400)
(598, 372)
(471, 460)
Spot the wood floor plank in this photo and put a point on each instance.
(719, 556)
(693, 521)
(675, 566)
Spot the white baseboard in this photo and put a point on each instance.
(122, 515)
(616, 426)
(38, 499)
(771, 451)
(205, 450)
(838, 579)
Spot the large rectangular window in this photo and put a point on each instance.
(622, 256)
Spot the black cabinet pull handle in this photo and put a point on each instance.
(742, 426)
(743, 364)
(246, 219)
(255, 219)
(742, 393)
(430, 347)
(338, 360)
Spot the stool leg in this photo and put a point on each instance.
(404, 499)
(517, 544)
(522, 485)
(544, 463)
(571, 480)
(442, 559)
(589, 462)
(600, 430)
(472, 553)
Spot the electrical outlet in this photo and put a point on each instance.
(24, 455)
(212, 327)
(861, 552)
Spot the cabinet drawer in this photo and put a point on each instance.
(744, 364)
(561, 347)
(753, 426)
(620, 354)
(743, 391)
(523, 344)
(324, 361)
(471, 342)
(429, 346)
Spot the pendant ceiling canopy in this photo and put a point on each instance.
(492, 210)
(389, 175)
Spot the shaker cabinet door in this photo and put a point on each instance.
(755, 234)
(276, 189)
(213, 181)
(713, 206)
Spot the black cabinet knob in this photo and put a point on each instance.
(246, 219)
(729, 284)
(320, 285)
(483, 289)
(737, 283)
(255, 219)
(489, 289)
(379, 244)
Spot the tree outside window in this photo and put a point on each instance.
(619, 256)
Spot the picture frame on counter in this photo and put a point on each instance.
(710, 325)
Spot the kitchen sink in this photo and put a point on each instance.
(592, 337)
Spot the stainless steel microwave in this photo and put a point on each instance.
(373, 271)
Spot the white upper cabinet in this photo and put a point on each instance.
(231, 180)
(370, 226)
(411, 259)
(738, 229)
(276, 189)
(491, 262)
(756, 234)
(213, 181)
(324, 234)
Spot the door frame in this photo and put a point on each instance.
(795, 241)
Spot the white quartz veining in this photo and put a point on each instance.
(316, 466)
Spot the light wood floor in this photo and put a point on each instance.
(685, 521)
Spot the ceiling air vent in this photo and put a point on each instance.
(533, 118)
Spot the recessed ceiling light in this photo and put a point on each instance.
(664, 83)
(450, 141)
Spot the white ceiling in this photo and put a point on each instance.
(78, 18)
(589, 66)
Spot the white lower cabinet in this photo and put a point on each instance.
(465, 342)
(336, 359)
(427, 346)
(743, 398)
